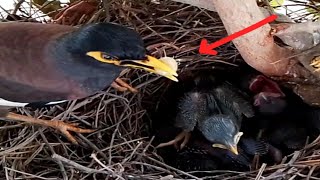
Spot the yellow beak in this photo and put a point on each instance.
(153, 65)
(234, 149)
(231, 148)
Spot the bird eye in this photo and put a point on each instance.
(107, 56)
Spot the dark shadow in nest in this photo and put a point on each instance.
(283, 133)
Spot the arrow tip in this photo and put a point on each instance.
(206, 49)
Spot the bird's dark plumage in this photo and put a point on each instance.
(220, 129)
(192, 110)
(287, 135)
(216, 110)
(230, 99)
(268, 97)
(227, 107)
(253, 147)
(313, 121)
(47, 63)
(195, 159)
(52, 64)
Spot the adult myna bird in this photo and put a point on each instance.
(216, 113)
(54, 63)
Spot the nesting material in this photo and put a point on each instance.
(121, 148)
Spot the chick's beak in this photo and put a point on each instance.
(153, 65)
(234, 149)
(233, 146)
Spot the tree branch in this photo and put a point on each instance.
(259, 50)
(257, 47)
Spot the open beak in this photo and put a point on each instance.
(153, 65)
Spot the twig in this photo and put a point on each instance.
(94, 157)
(261, 171)
(27, 174)
(63, 170)
(17, 6)
(76, 165)
(106, 7)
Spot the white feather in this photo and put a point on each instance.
(56, 102)
(7, 103)
(4, 102)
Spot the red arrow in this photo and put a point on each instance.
(206, 48)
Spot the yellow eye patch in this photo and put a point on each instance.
(103, 57)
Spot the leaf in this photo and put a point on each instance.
(314, 12)
(275, 3)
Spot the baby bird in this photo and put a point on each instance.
(216, 113)
(226, 109)
(269, 99)
(222, 130)
(192, 110)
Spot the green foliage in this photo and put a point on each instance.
(314, 10)
(276, 3)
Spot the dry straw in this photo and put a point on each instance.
(121, 147)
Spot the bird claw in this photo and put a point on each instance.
(183, 135)
(122, 86)
(65, 129)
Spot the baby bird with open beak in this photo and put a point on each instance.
(268, 97)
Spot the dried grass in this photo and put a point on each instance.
(121, 147)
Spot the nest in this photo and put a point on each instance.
(121, 148)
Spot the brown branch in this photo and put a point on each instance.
(257, 47)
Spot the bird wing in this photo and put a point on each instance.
(229, 96)
(212, 104)
(192, 108)
(27, 73)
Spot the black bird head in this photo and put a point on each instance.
(269, 98)
(107, 43)
(221, 130)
